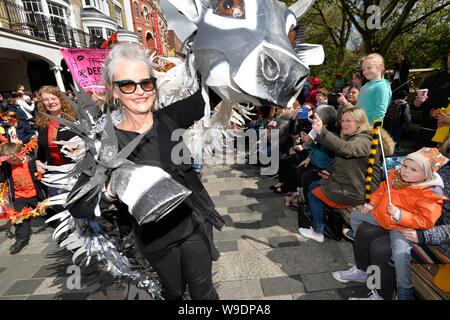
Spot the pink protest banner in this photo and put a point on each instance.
(86, 66)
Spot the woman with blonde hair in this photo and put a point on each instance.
(342, 184)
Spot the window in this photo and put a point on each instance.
(58, 18)
(146, 14)
(109, 32)
(96, 31)
(100, 5)
(140, 36)
(37, 22)
(119, 17)
(57, 10)
(92, 3)
(32, 5)
(96, 38)
(136, 9)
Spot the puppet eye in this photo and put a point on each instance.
(230, 8)
(291, 23)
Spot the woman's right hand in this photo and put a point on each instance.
(317, 124)
(420, 99)
(342, 100)
(40, 167)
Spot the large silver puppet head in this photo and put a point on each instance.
(243, 52)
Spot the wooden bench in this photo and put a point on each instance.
(422, 274)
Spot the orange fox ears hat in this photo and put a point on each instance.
(429, 158)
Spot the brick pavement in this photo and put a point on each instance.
(262, 255)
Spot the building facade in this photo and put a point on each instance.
(33, 31)
(150, 25)
(174, 43)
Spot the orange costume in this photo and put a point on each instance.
(420, 205)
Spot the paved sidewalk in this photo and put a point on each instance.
(262, 255)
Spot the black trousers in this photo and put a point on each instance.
(23, 230)
(190, 264)
(305, 176)
(373, 247)
(425, 138)
(287, 173)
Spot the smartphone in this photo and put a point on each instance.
(302, 114)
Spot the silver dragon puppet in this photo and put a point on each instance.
(242, 51)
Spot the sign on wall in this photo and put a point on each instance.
(86, 66)
(157, 34)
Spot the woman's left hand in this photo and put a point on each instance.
(305, 162)
(317, 124)
(324, 174)
(443, 119)
(410, 234)
(305, 137)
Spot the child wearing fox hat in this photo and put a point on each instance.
(416, 194)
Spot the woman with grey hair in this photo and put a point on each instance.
(320, 157)
(180, 245)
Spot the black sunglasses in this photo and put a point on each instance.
(129, 86)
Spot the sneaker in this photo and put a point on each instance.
(348, 234)
(18, 246)
(352, 274)
(373, 295)
(310, 234)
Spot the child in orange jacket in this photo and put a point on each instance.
(416, 194)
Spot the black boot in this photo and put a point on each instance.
(18, 245)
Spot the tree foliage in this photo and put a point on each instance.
(396, 18)
(418, 28)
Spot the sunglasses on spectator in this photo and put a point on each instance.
(129, 86)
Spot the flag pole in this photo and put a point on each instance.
(385, 168)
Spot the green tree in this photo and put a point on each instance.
(420, 29)
(427, 46)
(326, 23)
(395, 18)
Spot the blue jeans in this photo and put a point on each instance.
(401, 254)
(401, 248)
(317, 208)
